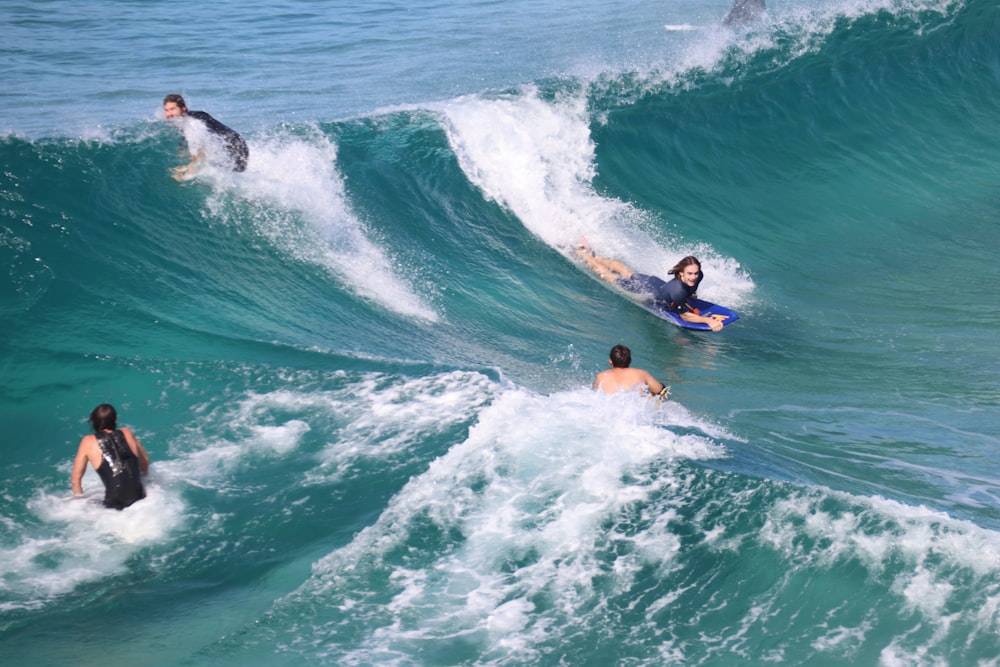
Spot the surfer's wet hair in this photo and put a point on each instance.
(104, 417)
(176, 99)
(621, 356)
(681, 265)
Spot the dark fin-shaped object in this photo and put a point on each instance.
(744, 12)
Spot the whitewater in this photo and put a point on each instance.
(362, 368)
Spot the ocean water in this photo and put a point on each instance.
(362, 368)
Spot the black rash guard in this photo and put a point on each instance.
(672, 296)
(119, 471)
(236, 147)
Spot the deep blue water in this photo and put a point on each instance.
(362, 368)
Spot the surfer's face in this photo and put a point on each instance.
(689, 275)
(171, 110)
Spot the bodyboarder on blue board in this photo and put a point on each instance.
(674, 296)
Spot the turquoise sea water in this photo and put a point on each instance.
(362, 367)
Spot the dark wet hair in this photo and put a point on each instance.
(104, 417)
(621, 356)
(176, 99)
(681, 265)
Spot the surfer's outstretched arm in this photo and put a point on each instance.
(713, 323)
(187, 171)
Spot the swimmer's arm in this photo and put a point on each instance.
(137, 449)
(713, 324)
(79, 467)
(186, 171)
(654, 385)
(143, 459)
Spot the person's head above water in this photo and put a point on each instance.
(688, 270)
(104, 418)
(174, 105)
(621, 356)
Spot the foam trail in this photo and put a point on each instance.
(533, 157)
(371, 416)
(522, 510)
(78, 541)
(313, 221)
(537, 159)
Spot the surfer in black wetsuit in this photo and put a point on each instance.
(236, 148)
(118, 457)
(672, 295)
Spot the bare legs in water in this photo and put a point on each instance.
(610, 270)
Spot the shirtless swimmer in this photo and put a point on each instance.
(622, 378)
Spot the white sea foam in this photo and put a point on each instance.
(536, 493)
(299, 204)
(927, 556)
(384, 420)
(368, 416)
(789, 29)
(508, 533)
(533, 157)
(79, 541)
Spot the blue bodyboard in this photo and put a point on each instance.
(705, 308)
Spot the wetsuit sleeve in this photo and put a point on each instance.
(678, 296)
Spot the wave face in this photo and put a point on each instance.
(362, 368)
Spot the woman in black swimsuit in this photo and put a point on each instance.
(118, 457)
